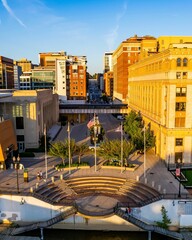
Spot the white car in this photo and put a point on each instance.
(92, 147)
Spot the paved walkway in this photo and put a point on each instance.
(157, 175)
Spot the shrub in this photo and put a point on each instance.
(165, 220)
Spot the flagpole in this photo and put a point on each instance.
(95, 142)
(69, 145)
(45, 136)
(121, 147)
(144, 154)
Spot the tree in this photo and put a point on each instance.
(112, 149)
(59, 149)
(81, 149)
(134, 127)
(165, 220)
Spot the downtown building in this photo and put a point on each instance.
(128, 53)
(108, 74)
(160, 88)
(29, 111)
(6, 73)
(70, 75)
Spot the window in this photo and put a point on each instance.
(178, 155)
(180, 122)
(181, 91)
(19, 123)
(20, 138)
(184, 75)
(178, 75)
(178, 62)
(185, 62)
(179, 142)
(180, 106)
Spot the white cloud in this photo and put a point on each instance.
(113, 34)
(10, 11)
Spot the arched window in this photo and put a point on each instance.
(185, 62)
(178, 62)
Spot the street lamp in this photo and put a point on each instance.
(178, 175)
(16, 162)
(95, 144)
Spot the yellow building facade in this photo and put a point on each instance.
(160, 87)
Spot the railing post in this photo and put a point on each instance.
(149, 235)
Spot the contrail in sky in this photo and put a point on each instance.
(10, 11)
(112, 36)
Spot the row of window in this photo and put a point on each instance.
(182, 62)
(182, 75)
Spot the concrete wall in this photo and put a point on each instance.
(29, 209)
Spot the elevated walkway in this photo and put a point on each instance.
(63, 215)
(147, 227)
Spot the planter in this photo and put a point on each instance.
(72, 168)
(119, 168)
(84, 167)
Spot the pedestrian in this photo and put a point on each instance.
(41, 175)
(38, 176)
(129, 210)
(126, 211)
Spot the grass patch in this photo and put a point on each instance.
(188, 175)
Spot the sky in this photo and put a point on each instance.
(86, 27)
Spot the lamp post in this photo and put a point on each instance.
(95, 144)
(16, 162)
(178, 174)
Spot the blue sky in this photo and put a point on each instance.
(86, 27)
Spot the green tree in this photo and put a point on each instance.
(59, 149)
(81, 149)
(134, 127)
(165, 220)
(112, 150)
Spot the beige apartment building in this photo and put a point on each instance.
(160, 87)
(30, 111)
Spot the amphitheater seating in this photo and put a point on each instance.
(133, 192)
(124, 190)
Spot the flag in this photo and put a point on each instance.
(91, 123)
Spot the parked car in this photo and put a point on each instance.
(120, 117)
